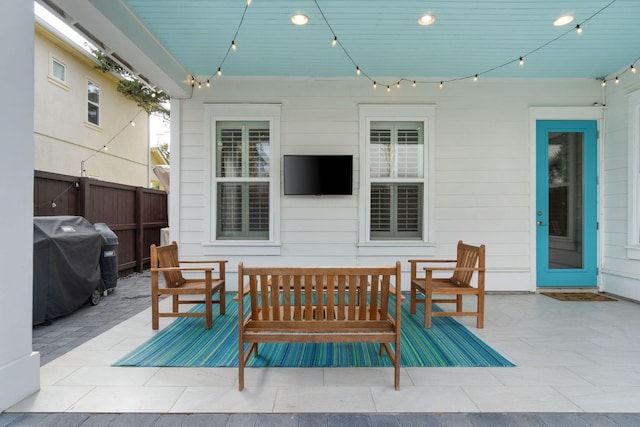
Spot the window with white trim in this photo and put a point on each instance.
(93, 103)
(243, 170)
(396, 176)
(395, 190)
(634, 175)
(58, 71)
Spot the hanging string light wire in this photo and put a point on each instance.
(337, 42)
(105, 146)
(232, 46)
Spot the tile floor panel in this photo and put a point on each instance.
(574, 359)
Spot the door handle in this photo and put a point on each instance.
(540, 223)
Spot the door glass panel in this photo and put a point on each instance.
(566, 212)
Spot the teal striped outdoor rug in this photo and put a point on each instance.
(187, 343)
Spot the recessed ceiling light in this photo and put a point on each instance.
(562, 20)
(427, 19)
(299, 19)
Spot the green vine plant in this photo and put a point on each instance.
(151, 100)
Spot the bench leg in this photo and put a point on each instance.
(240, 365)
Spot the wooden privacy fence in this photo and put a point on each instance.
(135, 214)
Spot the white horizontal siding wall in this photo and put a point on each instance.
(482, 169)
(620, 271)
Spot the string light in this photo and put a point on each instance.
(208, 83)
(374, 84)
(579, 29)
(604, 82)
(357, 71)
(248, 2)
(633, 69)
(414, 83)
(219, 71)
(475, 78)
(388, 88)
(233, 45)
(521, 62)
(617, 80)
(398, 85)
(441, 84)
(334, 42)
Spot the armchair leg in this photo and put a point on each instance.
(458, 303)
(428, 301)
(412, 307)
(223, 301)
(208, 302)
(154, 312)
(480, 321)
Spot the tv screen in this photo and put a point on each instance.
(318, 175)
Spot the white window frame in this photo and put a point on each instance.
(396, 113)
(97, 104)
(53, 78)
(215, 113)
(633, 239)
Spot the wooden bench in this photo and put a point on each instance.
(164, 259)
(318, 305)
(469, 259)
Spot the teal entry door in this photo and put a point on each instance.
(566, 203)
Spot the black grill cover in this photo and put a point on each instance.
(66, 265)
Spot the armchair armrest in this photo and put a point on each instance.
(160, 269)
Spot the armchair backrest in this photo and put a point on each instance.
(164, 257)
(469, 257)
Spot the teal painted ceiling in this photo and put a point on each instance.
(381, 37)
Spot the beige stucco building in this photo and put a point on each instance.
(80, 119)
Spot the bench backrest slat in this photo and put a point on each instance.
(319, 294)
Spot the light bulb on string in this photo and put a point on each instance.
(388, 88)
(208, 83)
(441, 84)
(617, 80)
(604, 83)
(398, 85)
(334, 41)
(375, 85)
(579, 29)
(357, 70)
(475, 78)
(199, 85)
(414, 83)
(219, 71)
(233, 45)
(521, 62)
(132, 123)
(633, 69)
(53, 204)
(248, 2)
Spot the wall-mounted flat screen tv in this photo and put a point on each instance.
(318, 175)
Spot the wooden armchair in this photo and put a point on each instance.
(164, 259)
(469, 260)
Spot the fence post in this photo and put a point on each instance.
(84, 198)
(139, 230)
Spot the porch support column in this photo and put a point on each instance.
(19, 365)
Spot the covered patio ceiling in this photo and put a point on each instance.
(168, 41)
